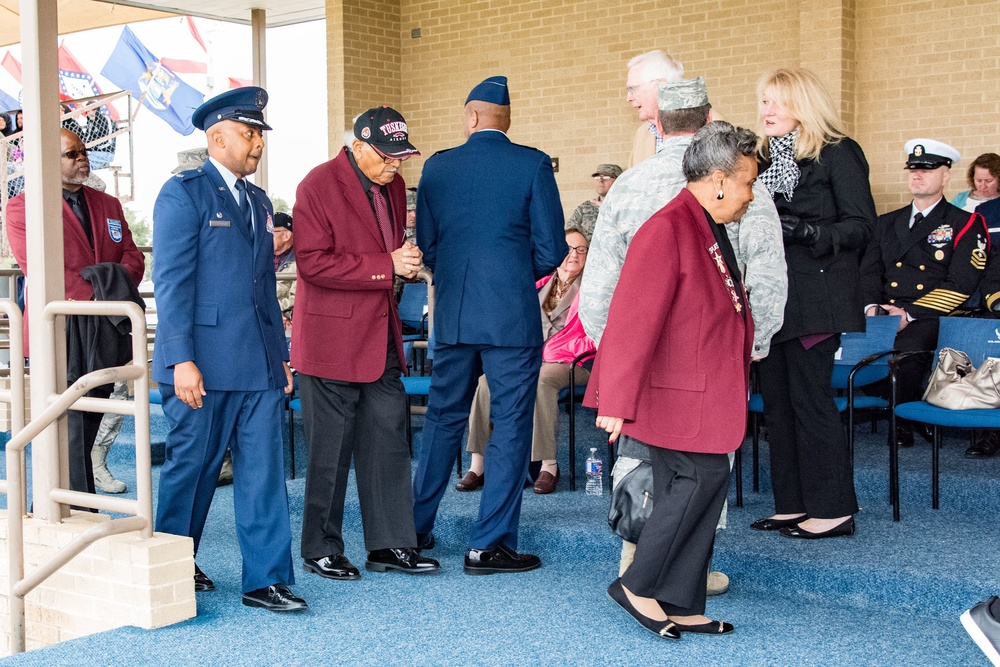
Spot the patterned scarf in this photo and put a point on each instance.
(783, 174)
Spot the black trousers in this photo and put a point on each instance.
(810, 461)
(911, 373)
(675, 546)
(82, 428)
(366, 420)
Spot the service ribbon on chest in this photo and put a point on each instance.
(720, 262)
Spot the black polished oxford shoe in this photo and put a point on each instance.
(499, 559)
(202, 584)
(274, 598)
(334, 566)
(406, 560)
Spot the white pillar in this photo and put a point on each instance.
(44, 223)
(258, 28)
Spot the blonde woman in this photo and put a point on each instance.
(819, 180)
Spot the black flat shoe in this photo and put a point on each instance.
(202, 584)
(334, 566)
(666, 629)
(843, 529)
(274, 598)
(406, 560)
(499, 559)
(710, 628)
(776, 524)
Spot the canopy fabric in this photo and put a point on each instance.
(74, 16)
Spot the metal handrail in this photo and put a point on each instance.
(57, 405)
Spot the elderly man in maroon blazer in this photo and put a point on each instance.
(347, 346)
(94, 231)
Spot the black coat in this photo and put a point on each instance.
(929, 270)
(823, 279)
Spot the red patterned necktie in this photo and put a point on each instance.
(382, 216)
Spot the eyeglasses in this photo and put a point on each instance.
(604, 178)
(386, 159)
(579, 249)
(630, 90)
(73, 155)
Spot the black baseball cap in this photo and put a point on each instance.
(384, 129)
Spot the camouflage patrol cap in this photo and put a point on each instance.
(583, 220)
(190, 159)
(411, 199)
(683, 94)
(612, 170)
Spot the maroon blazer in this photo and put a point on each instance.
(674, 360)
(344, 306)
(112, 243)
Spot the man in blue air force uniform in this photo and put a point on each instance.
(490, 223)
(220, 354)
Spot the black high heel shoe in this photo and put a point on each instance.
(666, 629)
(777, 524)
(843, 529)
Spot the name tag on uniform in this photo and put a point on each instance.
(218, 223)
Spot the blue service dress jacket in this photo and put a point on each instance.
(485, 268)
(215, 286)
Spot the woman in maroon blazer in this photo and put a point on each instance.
(677, 377)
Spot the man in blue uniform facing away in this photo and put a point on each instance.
(490, 223)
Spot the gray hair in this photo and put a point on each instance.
(658, 66)
(349, 133)
(718, 147)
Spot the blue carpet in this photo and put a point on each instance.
(891, 595)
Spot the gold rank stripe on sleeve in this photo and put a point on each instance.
(978, 260)
(991, 299)
(942, 299)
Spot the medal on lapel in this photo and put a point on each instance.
(720, 263)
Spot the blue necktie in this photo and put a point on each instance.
(244, 204)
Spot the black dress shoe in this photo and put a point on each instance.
(202, 584)
(334, 566)
(776, 524)
(403, 560)
(666, 629)
(710, 628)
(425, 541)
(274, 598)
(499, 559)
(986, 446)
(904, 436)
(842, 529)
(470, 482)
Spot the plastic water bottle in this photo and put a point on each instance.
(595, 474)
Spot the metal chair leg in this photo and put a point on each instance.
(756, 452)
(738, 463)
(935, 467)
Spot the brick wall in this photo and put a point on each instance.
(117, 581)
(897, 68)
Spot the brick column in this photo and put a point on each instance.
(363, 60)
(827, 46)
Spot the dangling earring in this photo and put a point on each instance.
(720, 195)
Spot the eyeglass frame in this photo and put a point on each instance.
(603, 178)
(630, 90)
(579, 249)
(74, 154)
(385, 158)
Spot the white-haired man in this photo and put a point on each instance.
(644, 71)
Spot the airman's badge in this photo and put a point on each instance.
(115, 230)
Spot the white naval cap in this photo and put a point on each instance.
(929, 154)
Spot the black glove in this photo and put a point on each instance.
(796, 230)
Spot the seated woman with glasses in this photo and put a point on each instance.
(558, 298)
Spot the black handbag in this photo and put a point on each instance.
(631, 502)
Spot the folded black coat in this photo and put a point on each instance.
(94, 342)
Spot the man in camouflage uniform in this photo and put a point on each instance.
(923, 262)
(585, 216)
(643, 190)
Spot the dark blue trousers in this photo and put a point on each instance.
(249, 423)
(512, 375)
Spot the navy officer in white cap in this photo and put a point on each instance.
(923, 262)
(490, 223)
(220, 356)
